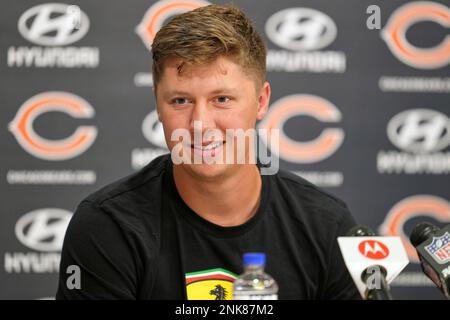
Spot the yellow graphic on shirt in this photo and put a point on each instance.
(211, 284)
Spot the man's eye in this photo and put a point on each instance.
(180, 101)
(223, 99)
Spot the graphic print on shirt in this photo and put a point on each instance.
(210, 284)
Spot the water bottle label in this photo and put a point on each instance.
(256, 297)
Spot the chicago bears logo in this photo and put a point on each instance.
(160, 12)
(415, 206)
(304, 105)
(63, 149)
(153, 130)
(398, 25)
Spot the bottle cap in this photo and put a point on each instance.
(254, 258)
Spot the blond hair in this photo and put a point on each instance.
(202, 35)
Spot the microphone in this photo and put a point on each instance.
(372, 261)
(360, 231)
(382, 292)
(433, 248)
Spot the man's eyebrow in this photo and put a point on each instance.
(224, 90)
(175, 93)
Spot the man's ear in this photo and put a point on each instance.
(263, 101)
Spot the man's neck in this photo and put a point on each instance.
(230, 201)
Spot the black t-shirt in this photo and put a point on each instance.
(137, 239)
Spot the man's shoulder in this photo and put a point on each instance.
(321, 218)
(133, 185)
(314, 201)
(119, 215)
(300, 184)
(132, 203)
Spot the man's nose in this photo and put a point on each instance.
(201, 112)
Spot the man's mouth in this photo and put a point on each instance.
(208, 146)
(208, 149)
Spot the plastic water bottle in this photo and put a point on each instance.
(254, 283)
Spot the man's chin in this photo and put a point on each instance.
(208, 171)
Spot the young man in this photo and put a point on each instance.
(177, 231)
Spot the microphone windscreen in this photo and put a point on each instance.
(360, 231)
(421, 232)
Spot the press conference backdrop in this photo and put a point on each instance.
(370, 122)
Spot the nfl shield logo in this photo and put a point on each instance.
(439, 248)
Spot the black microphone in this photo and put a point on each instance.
(433, 248)
(383, 291)
(360, 231)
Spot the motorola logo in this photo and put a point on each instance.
(373, 249)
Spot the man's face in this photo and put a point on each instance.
(222, 96)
